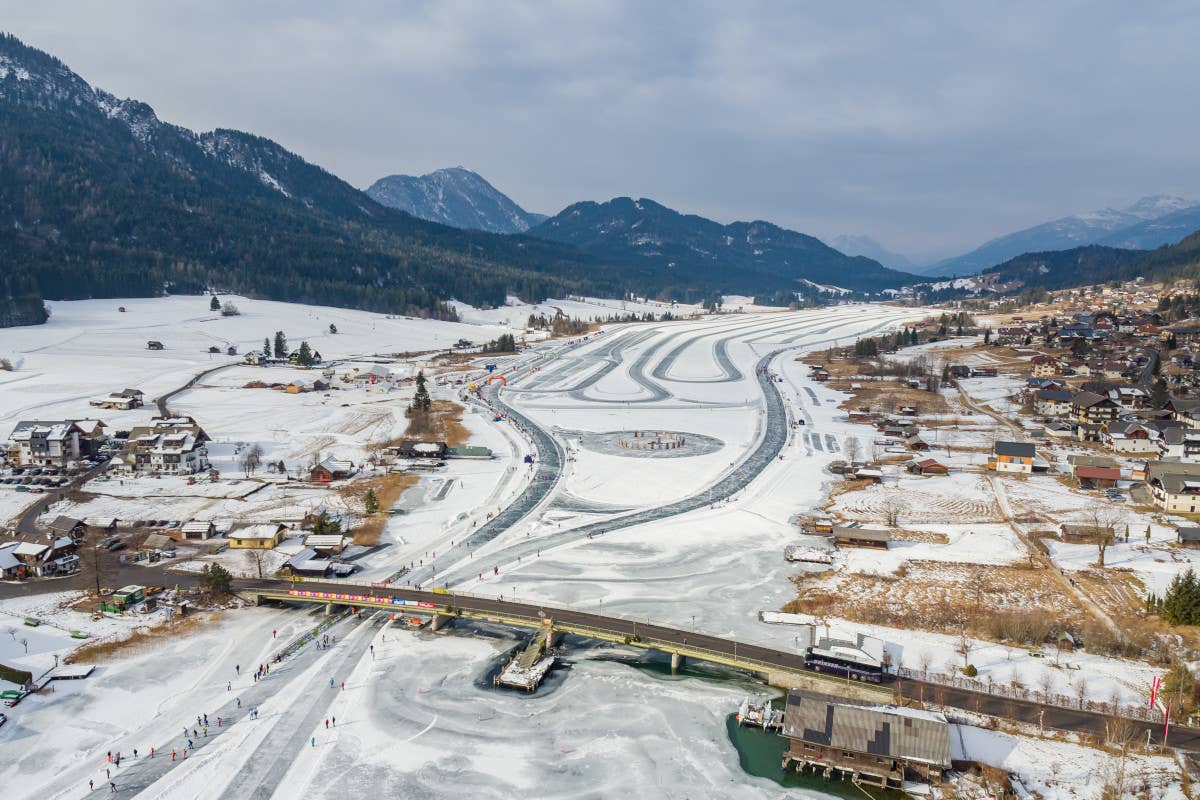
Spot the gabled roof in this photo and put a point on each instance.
(1014, 449)
(888, 731)
(1088, 399)
(64, 523)
(262, 530)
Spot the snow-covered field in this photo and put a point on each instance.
(417, 716)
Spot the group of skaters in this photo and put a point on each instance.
(190, 734)
(326, 642)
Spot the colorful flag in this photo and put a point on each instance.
(1155, 685)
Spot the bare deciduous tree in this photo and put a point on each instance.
(1081, 687)
(252, 459)
(893, 506)
(851, 448)
(255, 559)
(978, 586)
(964, 646)
(1047, 684)
(1102, 520)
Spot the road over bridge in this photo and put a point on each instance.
(781, 668)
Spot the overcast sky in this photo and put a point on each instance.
(930, 127)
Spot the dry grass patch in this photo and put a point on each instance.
(142, 639)
(888, 396)
(443, 424)
(388, 489)
(1005, 602)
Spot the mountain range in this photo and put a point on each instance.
(456, 197)
(100, 198)
(1148, 223)
(755, 257)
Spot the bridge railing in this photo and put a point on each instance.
(1025, 694)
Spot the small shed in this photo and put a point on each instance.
(331, 469)
(68, 526)
(1083, 534)
(861, 537)
(1188, 536)
(1097, 477)
(928, 466)
(198, 529)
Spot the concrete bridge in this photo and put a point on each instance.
(781, 668)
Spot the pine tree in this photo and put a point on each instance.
(306, 357)
(421, 403)
(371, 502)
(1160, 395)
(214, 304)
(987, 336)
(267, 347)
(332, 328)
(281, 347)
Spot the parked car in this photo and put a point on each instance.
(115, 546)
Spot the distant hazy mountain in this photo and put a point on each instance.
(456, 197)
(759, 255)
(1137, 226)
(860, 245)
(1152, 233)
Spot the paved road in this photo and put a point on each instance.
(782, 660)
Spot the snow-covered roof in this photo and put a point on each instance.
(263, 530)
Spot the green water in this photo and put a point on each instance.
(760, 753)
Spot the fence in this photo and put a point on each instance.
(1019, 692)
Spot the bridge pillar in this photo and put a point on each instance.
(440, 621)
(329, 609)
(676, 662)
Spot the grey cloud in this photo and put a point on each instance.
(930, 126)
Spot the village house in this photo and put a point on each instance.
(262, 536)
(1012, 457)
(123, 400)
(1130, 438)
(331, 469)
(880, 745)
(1052, 402)
(1043, 366)
(1129, 397)
(1093, 409)
(11, 567)
(1174, 486)
(56, 558)
(1185, 410)
(167, 446)
(1179, 444)
(44, 444)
